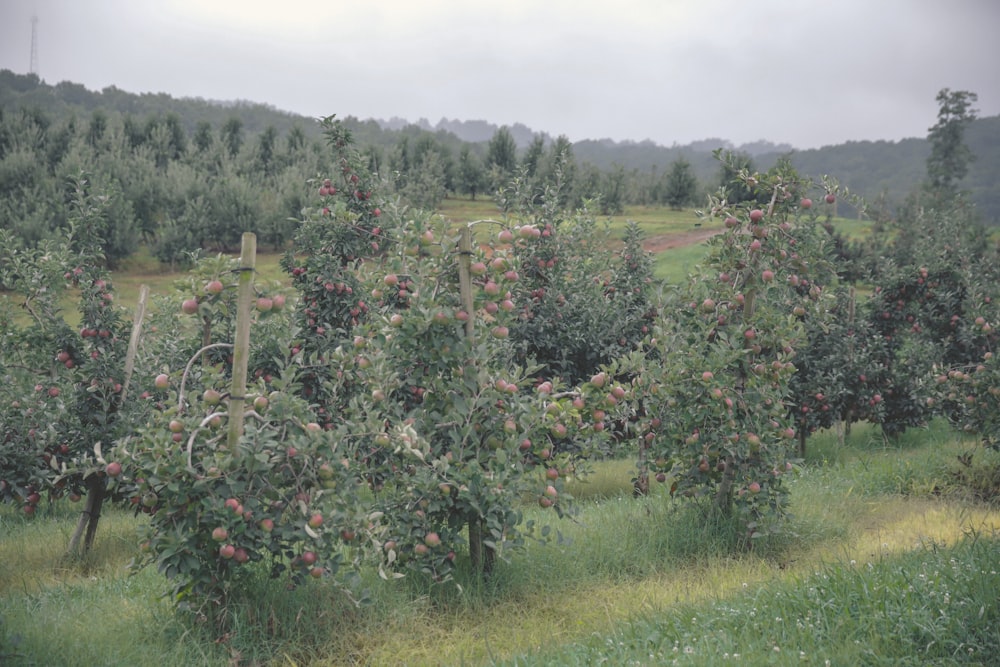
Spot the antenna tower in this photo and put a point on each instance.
(33, 68)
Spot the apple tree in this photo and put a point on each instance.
(581, 304)
(79, 374)
(715, 383)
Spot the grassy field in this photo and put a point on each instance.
(882, 564)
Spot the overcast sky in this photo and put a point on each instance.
(804, 72)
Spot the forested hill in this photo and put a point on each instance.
(874, 169)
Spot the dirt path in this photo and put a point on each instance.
(663, 242)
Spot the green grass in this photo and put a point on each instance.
(876, 542)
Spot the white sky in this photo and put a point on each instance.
(804, 72)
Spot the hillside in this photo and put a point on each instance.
(871, 169)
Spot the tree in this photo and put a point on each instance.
(736, 189)
(232, 135)
(471, 177)
(501, 154)
(613, 191)
(203, 136)
(949, 160)
(681, 185)
(533, 156)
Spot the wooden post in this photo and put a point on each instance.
(465, 280)
(133, 341)
(86, 525)
(482, 556)
(241, 345)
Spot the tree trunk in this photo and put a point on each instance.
(724, 494)
(483, 557)
(89, 517)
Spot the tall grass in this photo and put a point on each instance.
(625, 581)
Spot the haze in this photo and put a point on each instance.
(672, 71)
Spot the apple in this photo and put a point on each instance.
(552, 473)
(545, 502)
(220, 534)
(421, 549)
(54, 392)
(265, 304)
(211, 396)
(113, 469)
(599, 379)
(241, 555)
(317, 572)
(162, 381)
(500, 332)
(308, 557)
(214, 287)
(505, 236)
(278, 301)
(396, 320)
(267, 525)
(189, 306)
(432, 539)
(767, 275)
(176, 426)
(756, 215)
(754, 487)
(391, 280)
(830, 198)
(227, 551)
(806, 203)
(260, 403)
(316, 520)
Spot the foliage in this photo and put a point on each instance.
(681, 185)
(716, 371)
(439, 419)
(582, 306)
(949, 160)
(51, 430)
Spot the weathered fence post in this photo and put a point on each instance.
(241, 344)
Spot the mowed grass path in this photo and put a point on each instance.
(880, 556)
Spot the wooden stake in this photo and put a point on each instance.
(241, 345)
